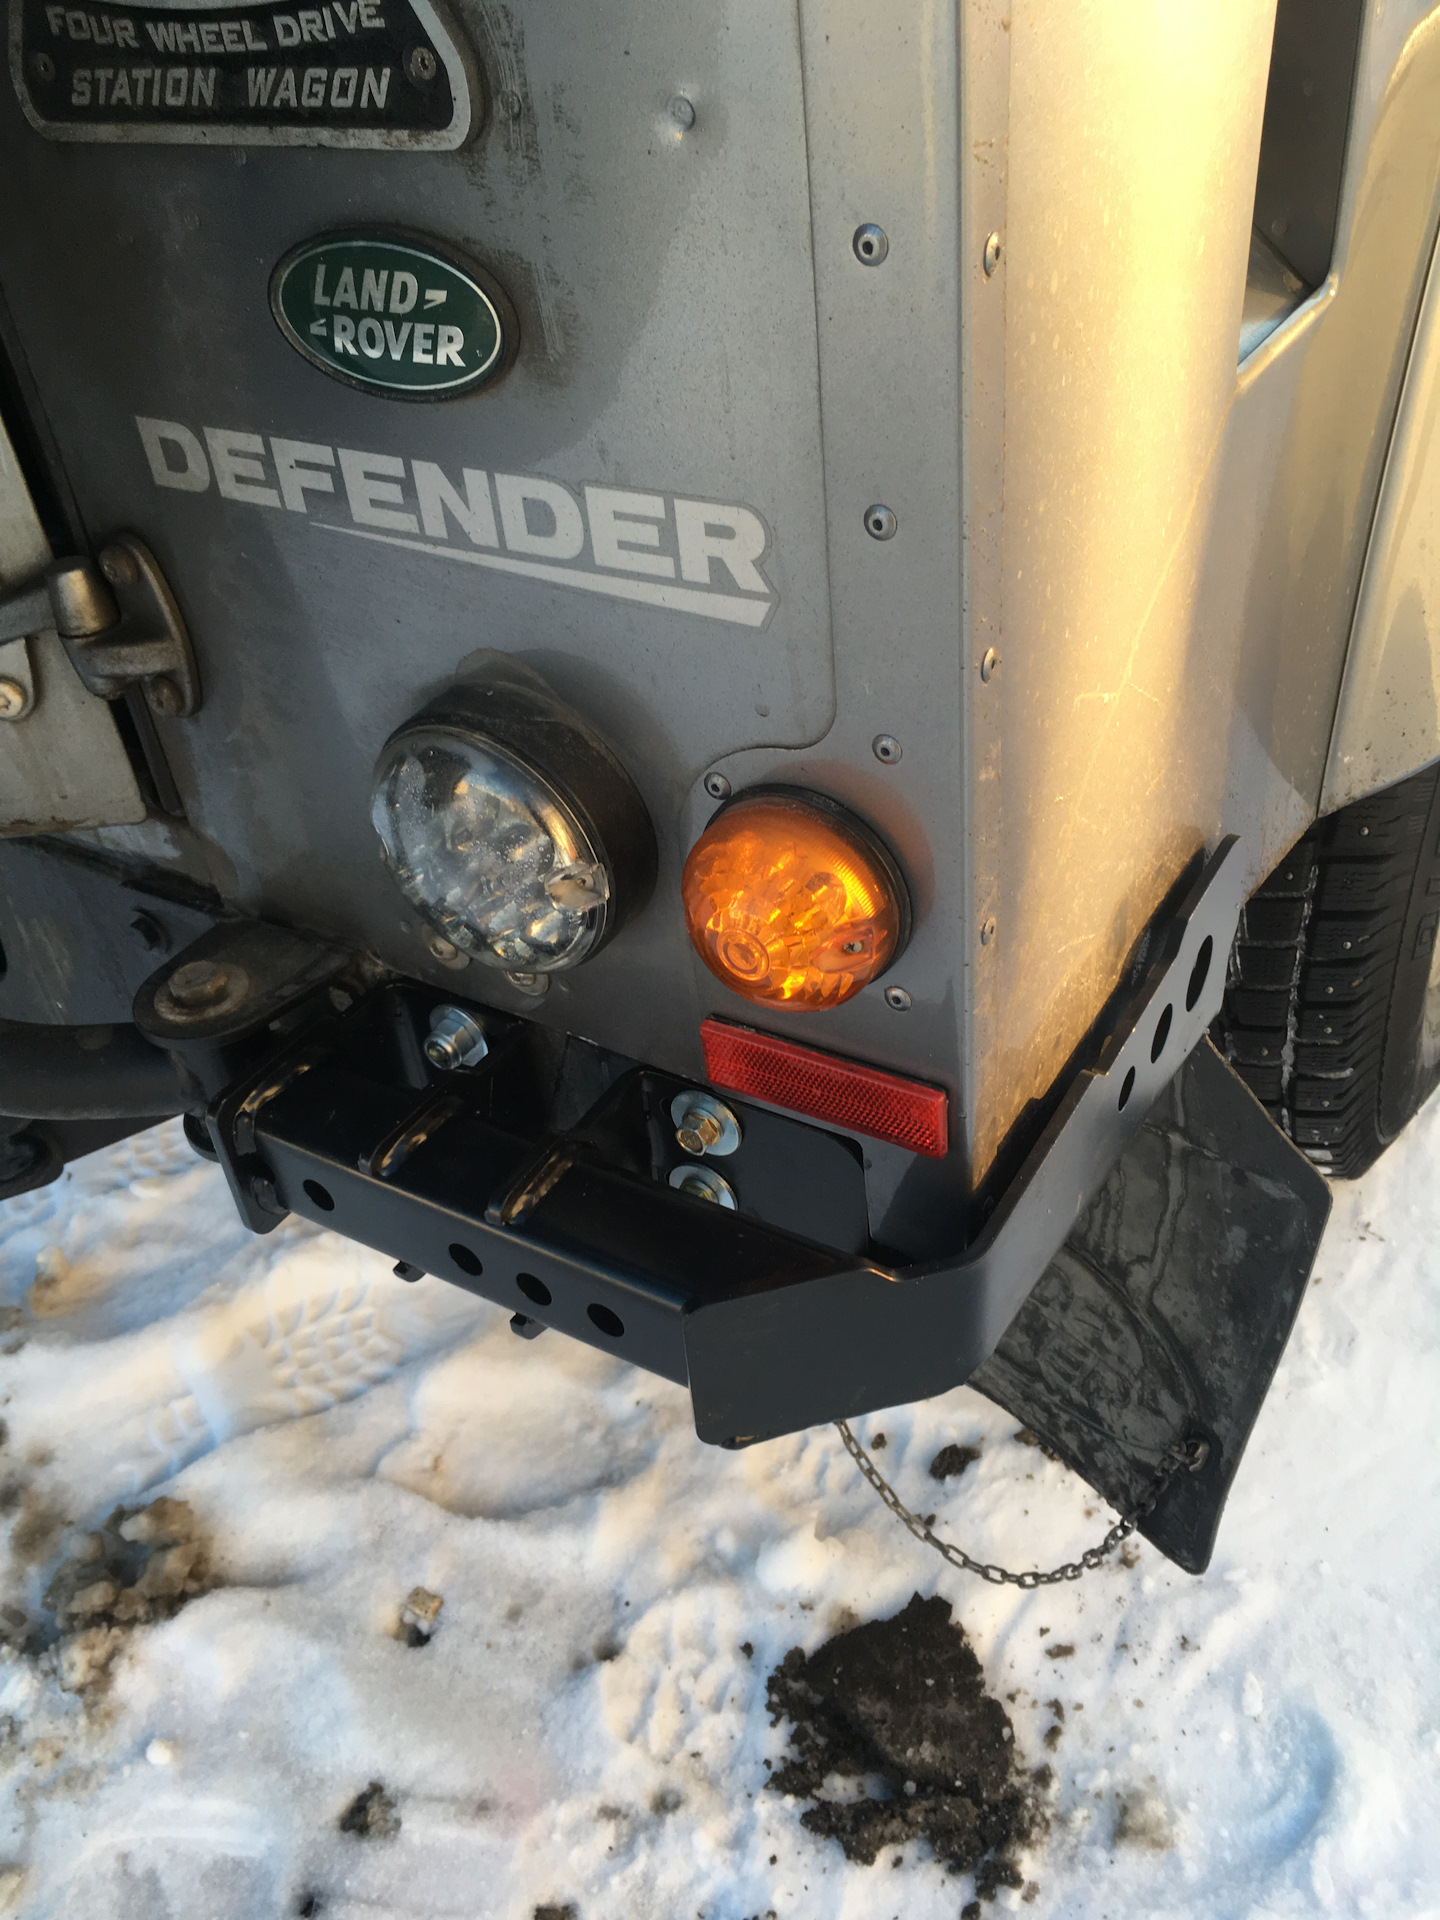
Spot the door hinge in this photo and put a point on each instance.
(118, 622)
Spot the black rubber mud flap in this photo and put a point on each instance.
(1162, 1319)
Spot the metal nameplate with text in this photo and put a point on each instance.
(350, 73)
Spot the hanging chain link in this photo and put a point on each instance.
(1189, 1458)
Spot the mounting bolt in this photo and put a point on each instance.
(456, 1039)
(992, 255)
(871, 244)
(119, 566)
(703, 1183)
(535, 984)
(703, 1124)
(886, 749)
(880, 522)
(14, 700)
(989, 660)
(445, 951)
(717, 786)
(987, 931)
(897, 998)
(682, 112)
(165, 697)
(404, 1271)
(43, 67)
(199, 983)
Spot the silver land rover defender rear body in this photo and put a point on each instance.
(969, 418)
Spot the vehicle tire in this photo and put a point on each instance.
(1332, 1011)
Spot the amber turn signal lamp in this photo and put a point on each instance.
(791, 901)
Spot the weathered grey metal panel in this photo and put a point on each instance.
(62, 763)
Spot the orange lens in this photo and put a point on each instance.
(789, 905)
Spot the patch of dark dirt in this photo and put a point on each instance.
(952, 1460)
(143, 1564)
(567, 1912)
(904, 1699)
(371, 1815)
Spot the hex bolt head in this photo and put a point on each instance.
(886, 749)
(717, 786)
(698, 1131)
(993, 251)
(704, 1125)
(119, 566)
(535, 984)
(682, 112)
(881, 523)
(199, 983)
(14, 699)
(703, 1183)
(446, 952)
(456, 1039)
(898, 999)
(870, 244)
(988, 663)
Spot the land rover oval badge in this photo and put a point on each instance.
(393, 315)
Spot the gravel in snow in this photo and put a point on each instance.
(579, 1726)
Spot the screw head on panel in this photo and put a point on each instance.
(880, 522)
(987, 931)
(871, 244)
(897, 999)
(992, 254)
(682, 112)
(990, 659)
(717, 786)
(421, 65)
(887, 749)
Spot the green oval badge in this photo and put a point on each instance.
(393, 316)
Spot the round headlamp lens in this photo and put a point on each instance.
(488, 852)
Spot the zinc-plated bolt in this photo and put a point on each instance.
(871, 244)
(697, 1131)
(14, 700)
(704, 1125)
(897, 998)
(456, 1039)
(682, 112)
(987, 932)
(199, 983)
(886, 749)
(119, 566)
(531, 983)
(880, 522)
(446, 952)
(717, 786)
(992, 254)
(988, 663)
(703, 1183)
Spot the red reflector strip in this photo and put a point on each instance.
(826, 1088)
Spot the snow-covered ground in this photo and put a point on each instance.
(587, 1726)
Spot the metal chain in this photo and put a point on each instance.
(1190, 1457)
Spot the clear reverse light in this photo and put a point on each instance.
(486, 850)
